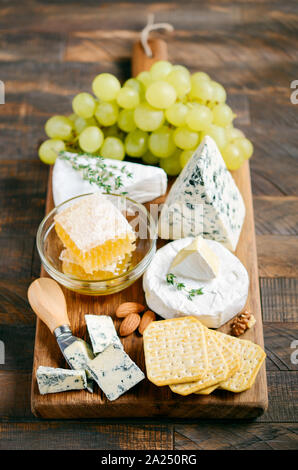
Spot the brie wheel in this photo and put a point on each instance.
(223, 296)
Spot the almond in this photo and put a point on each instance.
(129, 307)
(129, 324)
(147, 318)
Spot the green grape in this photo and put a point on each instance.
(49, 149)
(91, 139)
(171, 165)
(200, 76)
(219, 93)
(136, 143)
(72, 117)
(106, 87)
(161, 142)
(233, 133)
(59, 127)
(222, 115)
(145, 78)
(199, 117)
(176, 114)
(245, 146)
(185, 138)
(113, 148)
(107, 113)
(83, 105)
(160, 69)
(161, 94)
(218, 134)
(185, 156)
(149, 158)
(128, 98)
(134, 84)
(181, 68)
(81, 123)
(148, 118)
(232, 157)
(126, 120)
(180, 81)
(112, 131)
(201, 88)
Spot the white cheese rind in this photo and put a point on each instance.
(114, 372)
(102, 332)
(204, 200)
(147, 182)
(54, 380)
(223, 297)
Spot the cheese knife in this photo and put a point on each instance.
(48, 302)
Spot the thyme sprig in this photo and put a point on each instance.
(191, 293)
(95, 170)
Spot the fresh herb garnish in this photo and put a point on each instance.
(191, 293)
(95, 170)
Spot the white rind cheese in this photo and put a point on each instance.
(204, 200)
(114, 372)
(53, 380)
(196, 261)
(102, 332)
(145, 184)
(223, 297)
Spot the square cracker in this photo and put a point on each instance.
(175, 351)
(217, 369)
(252, 357)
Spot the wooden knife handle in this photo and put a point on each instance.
(48, 302)
(141, 62)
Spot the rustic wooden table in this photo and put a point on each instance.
(52, 50)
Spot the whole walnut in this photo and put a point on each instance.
(242, 322)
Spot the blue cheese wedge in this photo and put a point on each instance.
(114, 372)
(70, 178)
(78, 354)
(102, 332)
(204, 200)
(53, 380)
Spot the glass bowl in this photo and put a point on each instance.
(49, 247)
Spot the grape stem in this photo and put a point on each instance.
(150, 26)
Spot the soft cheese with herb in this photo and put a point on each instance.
(102, 332)
(204, 200)
(196, 261)
(53, 380)
(76, 174)
(214, 302)
(114, 372)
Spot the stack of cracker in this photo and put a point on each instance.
(190, 358)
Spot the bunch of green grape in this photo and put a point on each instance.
(160, 116)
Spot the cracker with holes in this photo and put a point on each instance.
(175, 351)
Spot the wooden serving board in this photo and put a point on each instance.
(146, 399)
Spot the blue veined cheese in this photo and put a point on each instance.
(204, 200)
(53, 380)
(114, 372)
(78, 354)
(102, 332)
(141, 182)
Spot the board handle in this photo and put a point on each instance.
(48, 302)
(141, 61)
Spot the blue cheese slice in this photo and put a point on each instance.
(142, 182)
(204, 200)
(114, 372)
(78, 354)
(53, 380)
(102, 332)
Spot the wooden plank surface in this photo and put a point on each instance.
(36, 39)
